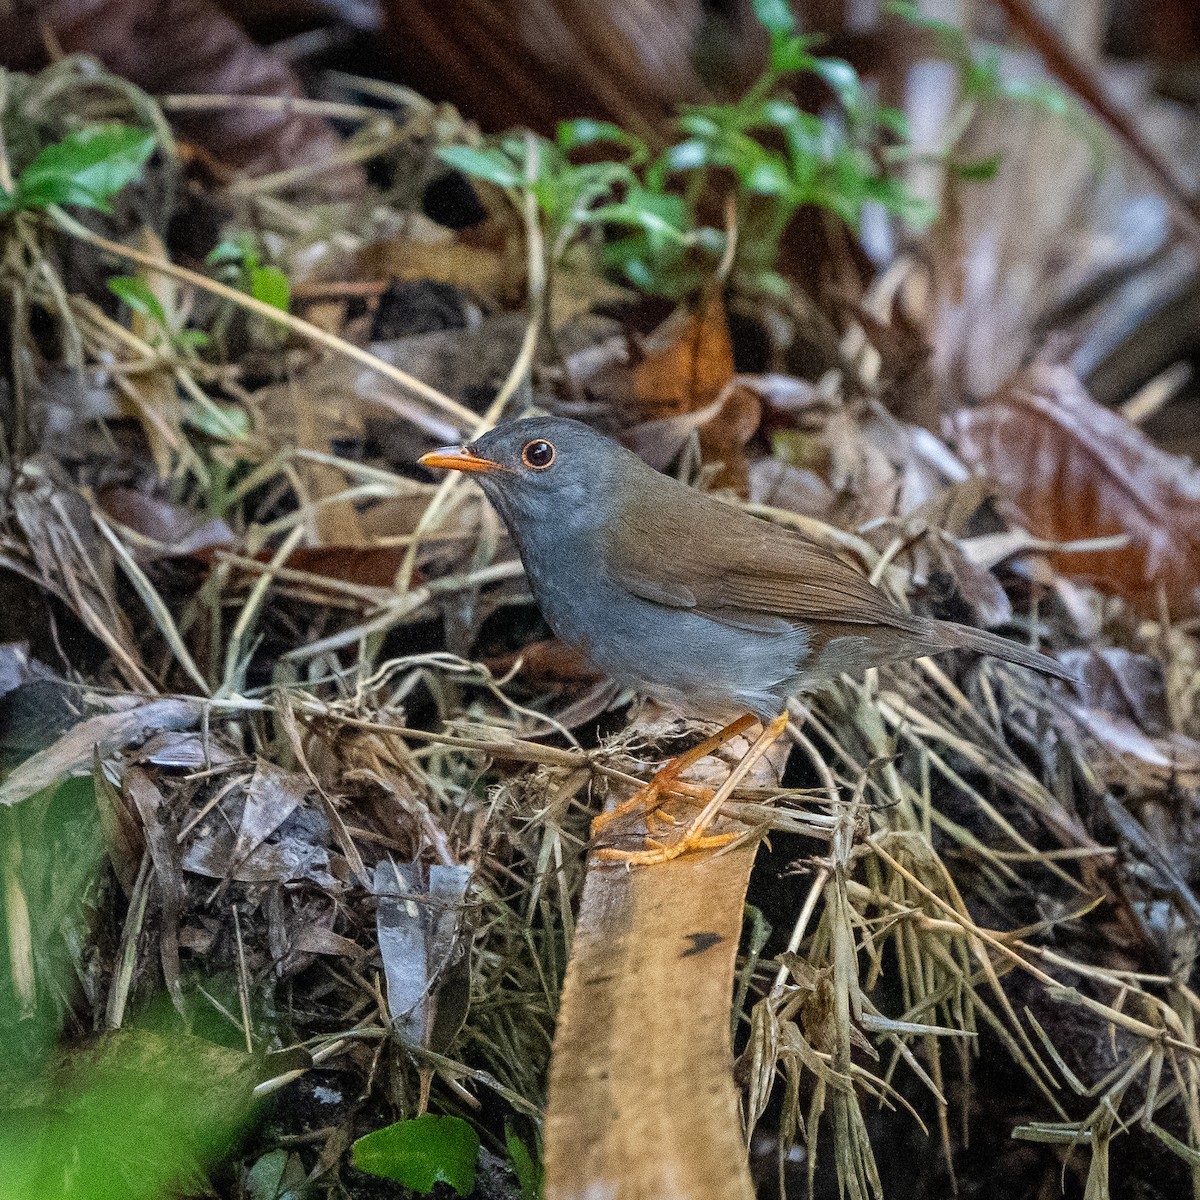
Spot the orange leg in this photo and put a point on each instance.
(695, 836)
(665, 780)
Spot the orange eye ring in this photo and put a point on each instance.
(538, 454)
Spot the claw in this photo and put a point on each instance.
(665, 782)
(656, 852)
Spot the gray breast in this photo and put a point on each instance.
(701, 666)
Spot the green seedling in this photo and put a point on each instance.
(770, 155)
(139, 297)
(86, 169)
(421, 1153)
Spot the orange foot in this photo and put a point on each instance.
(666, 779)
(695, 836)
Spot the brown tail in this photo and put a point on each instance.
(963, 637)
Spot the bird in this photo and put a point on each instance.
(686, 598)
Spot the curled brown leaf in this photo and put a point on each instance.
(1072, 469)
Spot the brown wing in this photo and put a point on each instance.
(682, 548)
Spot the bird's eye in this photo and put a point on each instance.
(538, 455)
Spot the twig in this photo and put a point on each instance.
(463, 416)
(1072, 72)
(332, 109)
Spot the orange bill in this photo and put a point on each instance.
(459, 458)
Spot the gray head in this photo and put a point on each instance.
(543, 469)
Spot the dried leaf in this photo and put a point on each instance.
(298, 850)
(641, 1079)
(688, 362)
(160, 841)
(1174, 758)
(186, 751)
(1121, 683)
(176, 530)
(550, 660)
(422, 940)
(1074, 470)
(189, 46)
(443, 257)
(794, 489)
(688, 368)
(271, 796)
(366, 566)
(18, 668)
(122, 834)
(104, 735)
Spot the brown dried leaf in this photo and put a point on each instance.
(547, 661)
(176, 530)
(688, 367)
(168, 878)
(1072, 469)
(688, 361)
(442, 256)
(365, 566)
(123, 840)
(641, 1078)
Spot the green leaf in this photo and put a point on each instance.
(687, 156)
(489, 165)
(699, 124)
(893, 120)
(641, 218)
(270, 285)
(841, 79)
(138, 295)
(225, 252)
(767, 177)
(775, 16)
(979, 171)
(422, 1152)
(1040, 93)
(263, 1179)
(527, 1168)
(586, 132)
(192, 339)
(792, 54)
(87, 168)
(981, 77)
(226, 422)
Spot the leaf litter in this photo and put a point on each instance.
(346, 811)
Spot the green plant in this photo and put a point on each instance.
(117, 1115)
(982, 82)
(240, 263)
(526, 1163)
(140, 298)
(627, 191)
(87, 168)
(770, 155)
(764, 151)
(422, 1152)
